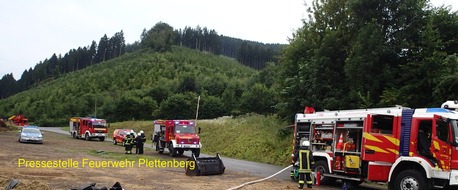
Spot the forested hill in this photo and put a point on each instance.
(249, 53)
(140, 86)
(396, 53)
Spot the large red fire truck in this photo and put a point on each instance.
(88, 128)
(176, 135)
(406, 148)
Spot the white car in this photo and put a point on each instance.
(32, 135)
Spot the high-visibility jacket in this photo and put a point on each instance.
(305, 161)
(129, 141)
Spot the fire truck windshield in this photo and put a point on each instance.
(185, 129)
(99, 124)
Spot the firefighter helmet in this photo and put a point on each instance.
(141, 132)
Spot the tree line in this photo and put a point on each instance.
(249, 53)
(361, 54)
(55, 66)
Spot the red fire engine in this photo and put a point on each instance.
(406, 148)
(88, 128)
(176, 135)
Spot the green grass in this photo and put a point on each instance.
(251, 137)
(66, 128)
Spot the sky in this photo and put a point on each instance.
(34, 30)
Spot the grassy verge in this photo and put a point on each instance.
(252, 137)
(66, 128)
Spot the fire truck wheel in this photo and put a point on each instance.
(181, 151)
(114, 142)
(172, 151)
(87, 137)
(322, 166)
(102, 138)
(410, 179)
(74, 135)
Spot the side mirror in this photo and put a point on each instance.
(198, 132)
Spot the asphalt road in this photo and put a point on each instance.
(253, 168)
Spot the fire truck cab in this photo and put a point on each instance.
(176, 135)
(406, 148)
(88, 128)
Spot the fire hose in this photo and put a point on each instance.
(259, 180)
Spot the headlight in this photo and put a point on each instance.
(39, 136)
(23, 135)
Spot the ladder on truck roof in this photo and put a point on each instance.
(349, 115)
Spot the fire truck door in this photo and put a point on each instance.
(440, 144)
(168, 133)
(379, 142)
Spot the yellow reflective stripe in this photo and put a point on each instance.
(304, 170)
(300, 160)
(393, 150)
(370, 137)
(393, 140)
(436, 145)
(307, 153)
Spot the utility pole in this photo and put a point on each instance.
(197, 111)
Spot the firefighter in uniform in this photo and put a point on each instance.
(138, 144)
(128, 144)
(143, 141)
(305, 158)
